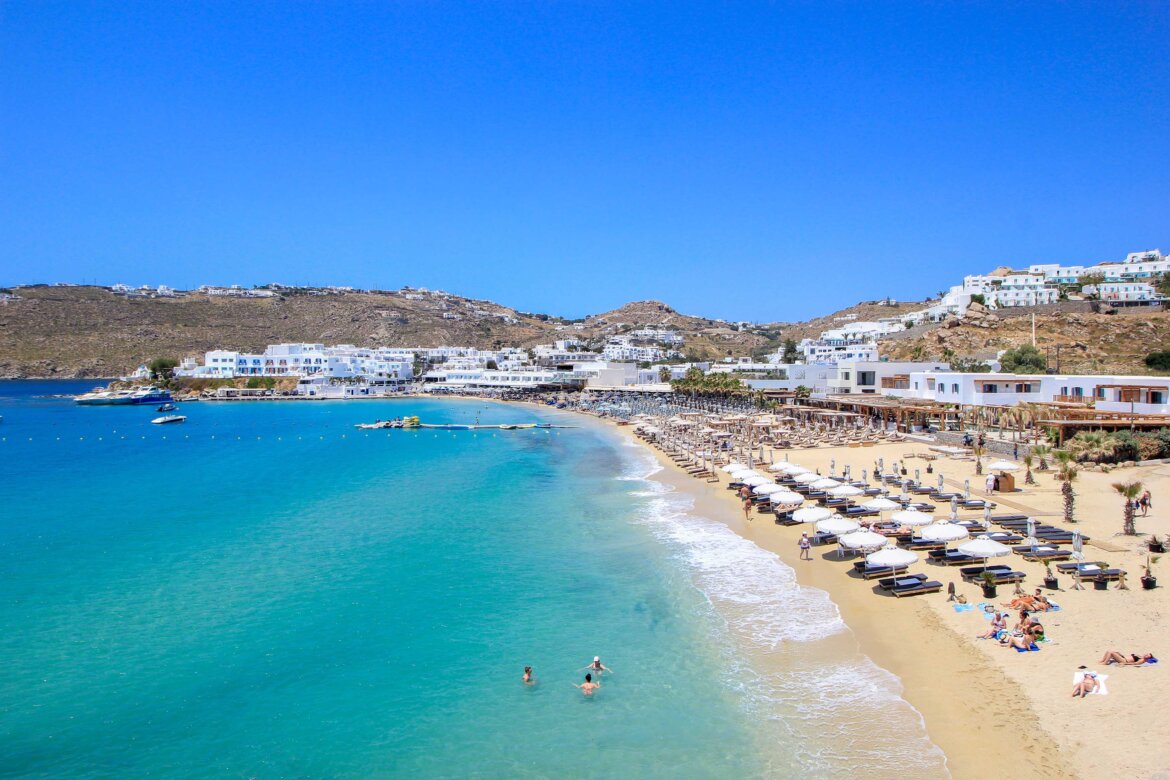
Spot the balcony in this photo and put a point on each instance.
(1084, 400)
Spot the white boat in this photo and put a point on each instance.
(169, 418)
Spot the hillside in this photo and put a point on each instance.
(1088, 342)
(89, 332)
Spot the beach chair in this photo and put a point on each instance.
(923, 544)
(1087, 568)
(915, 588)
(874, 572)
(889, 582)
(1007, 577)
(949, 557)
(1001, 519)
(1045, 554)
(972, 573)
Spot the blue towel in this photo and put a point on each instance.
(1031, 648)
(964, 607)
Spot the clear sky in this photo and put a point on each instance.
(763, 161)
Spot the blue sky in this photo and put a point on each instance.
(764, 161)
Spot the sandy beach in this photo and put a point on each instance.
(989, 707)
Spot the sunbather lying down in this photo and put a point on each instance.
(1131, 659)
(1087, 685)
(1037, 602)
(1018, 641)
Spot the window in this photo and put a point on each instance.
(989, 388)
(955, 389)
(1157, 397)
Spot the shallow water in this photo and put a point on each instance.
(265, 591)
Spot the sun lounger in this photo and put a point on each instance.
(857, 511)
(903, 579)
(872, 572)
(949, 557)
(970, 573)
(1006, 577)
(820, 538)
(1001, 519)
(976, 503)
(943, 497)
(923, 544)
(1044, 553)
(917, 588)
(1087, 568)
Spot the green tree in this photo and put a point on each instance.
(1128, 491)
(790, 353)
(1159, 361)
(491, 365)
(664, 374)
(1042, 451)
(969, 365)
(1096, 446)
(1028, 478)
(162, 368)
(1024, 359)
(979, 298)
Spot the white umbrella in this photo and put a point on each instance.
(838, 525)
(943, 532)
(862, 540)
(755, 480)
(1004, 465)
(984, 547)
(880, 504)
(730, 467)
(786, 498)
(911, 518)
(891, 556)
(844, 491)
(806, 477)
(795, 469)
(771, 487)
(825, 483)
(812, 514)
(781, 466)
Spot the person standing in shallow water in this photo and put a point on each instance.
(588, 687)
(528, 678)
(805, 547)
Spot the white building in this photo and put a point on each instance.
(1134, 394)
(305, 360)
(1123, 291)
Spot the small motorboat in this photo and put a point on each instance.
(169, 418)
(167, 407)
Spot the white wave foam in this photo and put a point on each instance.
(834, 716)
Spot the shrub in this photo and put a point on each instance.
(1126, 447)
(1024, 359)
(1149, 446)
(1159, 361)
(979, 298)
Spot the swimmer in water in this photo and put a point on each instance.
(597, 666)
(528, 678)
(588, 687)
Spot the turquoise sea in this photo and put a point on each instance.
(265, 591)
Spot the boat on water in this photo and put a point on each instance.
(101, 396)
(167, 407)
(169, 418)
(397, 422)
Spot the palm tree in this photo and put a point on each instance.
(1092, 445)
(1042, 451)
(1028, 478)
(1129, 491)
(1067, 473)
(978, 451)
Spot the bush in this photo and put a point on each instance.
(1127, 447)
(1163, 437)
(258, 382)
(1024, 359)
(1149, 446)
(1159, 361)
(979, 298)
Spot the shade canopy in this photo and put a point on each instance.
(844, 491)
(862, 540)
(880, 504)
(730, 467)
(824, 483)
(812, 514)
(755, 480)
(806, 477)
(838, 525)
(786, 498)
(984, 547)
(1004, 465)
(891, 555)
(911, 518)
(944, 532)
(768, 489)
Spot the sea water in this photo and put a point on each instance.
(266, 591)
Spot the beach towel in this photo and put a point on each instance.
(1101, 678)
(1032, 648)
(964, 607)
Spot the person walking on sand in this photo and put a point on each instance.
(989, 484)
(747, 509)
(805, 547)
(588, 687)
(1145, 502)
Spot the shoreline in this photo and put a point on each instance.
(903, 638)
